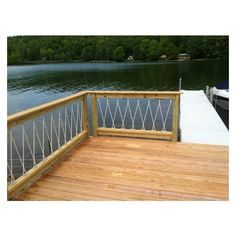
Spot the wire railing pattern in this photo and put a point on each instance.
(33, 141)
(39, 137)
(137, 114)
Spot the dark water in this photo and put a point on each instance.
(32, 85)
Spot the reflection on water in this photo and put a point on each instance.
(32, 85)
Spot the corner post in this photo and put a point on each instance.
(175, 118)
(85, 113)
(94, 114)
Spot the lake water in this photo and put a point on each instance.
(32, 85)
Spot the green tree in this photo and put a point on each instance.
(153, 50)
(46, 54)
(164, 42)
(171, 51)
(119, 54)
(144, 48)
(66, 48)
(14, 58)
(100, 49)
(87, 54)
(194, 47)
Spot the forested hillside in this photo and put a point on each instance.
(29, 49)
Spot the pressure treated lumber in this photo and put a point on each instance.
(34, 173)
(29, 114)
(111, 168)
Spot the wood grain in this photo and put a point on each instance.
(175, 118)
(134, 133)
(33, 174)
(136, 94)
(108, 168)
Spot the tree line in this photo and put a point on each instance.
(29, 49)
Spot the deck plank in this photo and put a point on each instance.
(105, 168)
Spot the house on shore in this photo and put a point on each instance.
(130, 58)
(183, 57)
(163, 57)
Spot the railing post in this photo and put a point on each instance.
(94, 114)
(175, 119)
(180, 84)
(85, 113)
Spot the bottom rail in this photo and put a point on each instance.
(33, 174)
(135, 133)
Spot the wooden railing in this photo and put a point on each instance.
(47, 132)
(172, 109)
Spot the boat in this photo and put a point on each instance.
(219, 96)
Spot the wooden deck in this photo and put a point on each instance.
(105, 168)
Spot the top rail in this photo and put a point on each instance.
(135, 94)
(28, 114)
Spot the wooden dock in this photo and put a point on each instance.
(113, 168)
(52, 157)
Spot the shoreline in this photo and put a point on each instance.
(25, 63)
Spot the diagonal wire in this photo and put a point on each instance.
(74, 124)
(55, 132)
(17, 151)
(11, 173)
(162, 118)
(109, 110)
(81, 116)
(141, 115)
(120, 112)
(40, 144)
(71, 124)
(47, 134)
(146, 112)
(125, 112)
(27, 141)
(102, 115)
(155, 116)
(167, 113)
(115, 112)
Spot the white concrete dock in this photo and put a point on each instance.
(199, 122)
